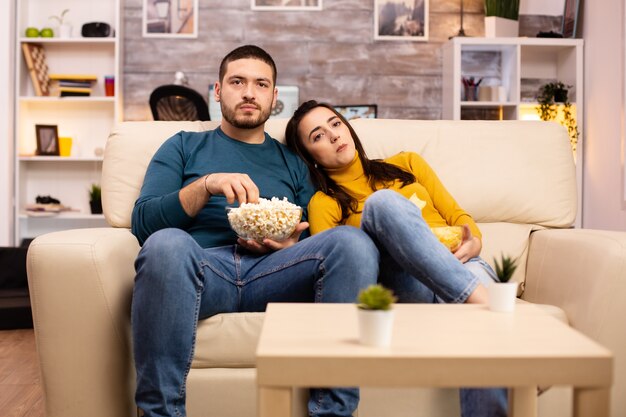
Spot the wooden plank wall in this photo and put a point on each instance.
(330, 55)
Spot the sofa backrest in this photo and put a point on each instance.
(506, 171)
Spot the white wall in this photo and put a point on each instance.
(6, 121)
(603, 206)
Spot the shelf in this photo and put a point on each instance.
(487, 104)
(68, 41)
(71, 99)
(86, 119)
(36, 158)
(67, 215)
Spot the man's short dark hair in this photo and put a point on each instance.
(247, 52)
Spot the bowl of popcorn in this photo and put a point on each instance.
(273, 219)
(450, 236)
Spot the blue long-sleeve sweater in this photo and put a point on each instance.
(187, 156)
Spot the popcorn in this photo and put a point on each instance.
(272, 219)
(450, 236)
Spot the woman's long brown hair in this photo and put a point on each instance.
(380, 174)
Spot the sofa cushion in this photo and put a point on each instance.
(505, 171)
(227, 340)
(499, 171)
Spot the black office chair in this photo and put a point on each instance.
(177, 102)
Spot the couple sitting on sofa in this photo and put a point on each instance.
(190, 268)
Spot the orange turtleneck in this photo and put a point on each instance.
(440, 208)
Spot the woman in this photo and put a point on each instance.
(374, 195)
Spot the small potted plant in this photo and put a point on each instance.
(65, 29)
(375, 315)
(95, 199)
(501, 18)
(502, 294)
(553, 96)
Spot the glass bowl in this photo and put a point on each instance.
(258, 221)
(450, 236)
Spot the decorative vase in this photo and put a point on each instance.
(96, 207)
(375, 327)
(499, 27)
(502, 296)
(65, 30)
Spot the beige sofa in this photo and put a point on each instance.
(516, 178)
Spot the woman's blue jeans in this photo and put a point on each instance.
(421, 270)
(178, 282)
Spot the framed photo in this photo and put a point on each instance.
(47, 140)
(170, 18)
(570, 19)
(358, 111)
(401, 20)
(286, 4)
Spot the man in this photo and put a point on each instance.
(192, 266)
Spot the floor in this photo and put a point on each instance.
(20, 383)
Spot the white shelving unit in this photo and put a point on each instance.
(87, 120)
(520, 65)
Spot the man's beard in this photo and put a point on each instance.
(244, 122)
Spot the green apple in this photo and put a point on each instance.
(47, 33)
(32, 32)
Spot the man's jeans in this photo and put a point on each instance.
(178, 283)
(421, 270)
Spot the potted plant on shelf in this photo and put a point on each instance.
(553, 96)
(501, 18)
(502, 294)
(65, 29)
(95, 199)
(375, 315)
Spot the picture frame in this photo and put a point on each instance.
(170, 19)
(413, 15)
(358, 111)
(289, 5)
(47, 140)
(570, 18)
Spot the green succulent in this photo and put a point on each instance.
(95, 193)
(508, 9)
(506, 267)
(376, 297)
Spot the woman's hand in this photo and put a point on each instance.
(271, 245)
(470, 246)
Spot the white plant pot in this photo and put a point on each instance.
(65, 31)
(502, 296)
(499, 27)
(375, 327)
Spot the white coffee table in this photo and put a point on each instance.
(446, 345)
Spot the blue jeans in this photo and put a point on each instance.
(178, 282)
(421, 270)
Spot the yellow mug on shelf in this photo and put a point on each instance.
(65, 146)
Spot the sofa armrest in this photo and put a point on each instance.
(80, 287)
(583, 272)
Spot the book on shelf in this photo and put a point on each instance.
(72, 85)
(74, 77)
(74, 91)
(79, 84)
